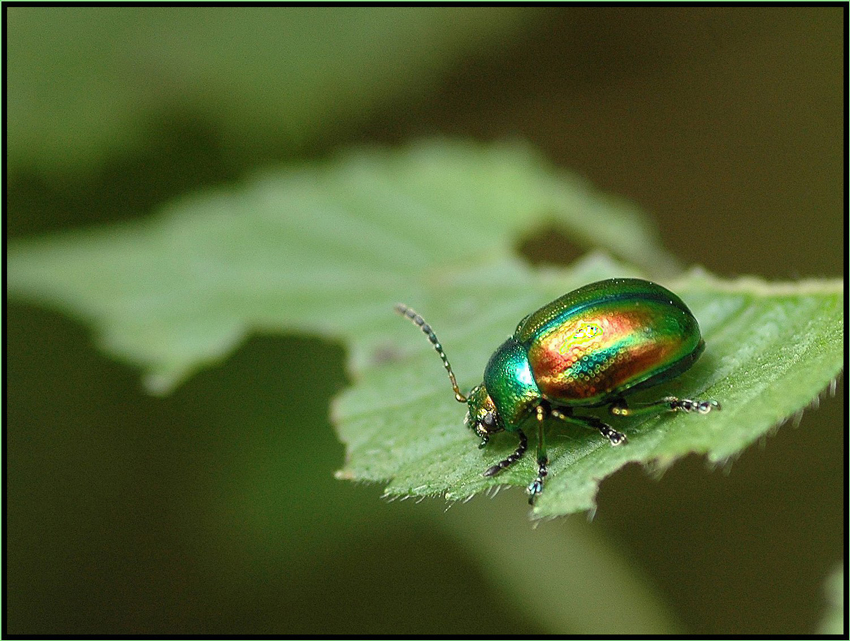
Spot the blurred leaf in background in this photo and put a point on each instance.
(85, 82)
(214, 510)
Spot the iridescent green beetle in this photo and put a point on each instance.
(589, 348)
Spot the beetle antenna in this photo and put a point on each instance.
(415, 318)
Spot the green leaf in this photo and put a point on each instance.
(771, 350)
(328, 250)
(267, 80)
(324, 250)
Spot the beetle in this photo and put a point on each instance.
(589, 348)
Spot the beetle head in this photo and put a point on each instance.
(482, 416)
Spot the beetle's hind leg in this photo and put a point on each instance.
(510, 460)
(668, 404)
(613, 436)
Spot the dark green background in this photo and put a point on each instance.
(126, 512)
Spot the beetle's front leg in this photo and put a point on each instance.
(510, 460)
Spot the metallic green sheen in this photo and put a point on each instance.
(591, 346)
(613, 289)
(510, 383)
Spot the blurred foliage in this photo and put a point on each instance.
(187, 515)
(84, 82)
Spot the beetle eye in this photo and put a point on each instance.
(488, 420)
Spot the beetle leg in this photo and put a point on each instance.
(513, 458)
(668, 403)
(536, 486)
(615, 437)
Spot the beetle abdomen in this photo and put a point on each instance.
(589, 346)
